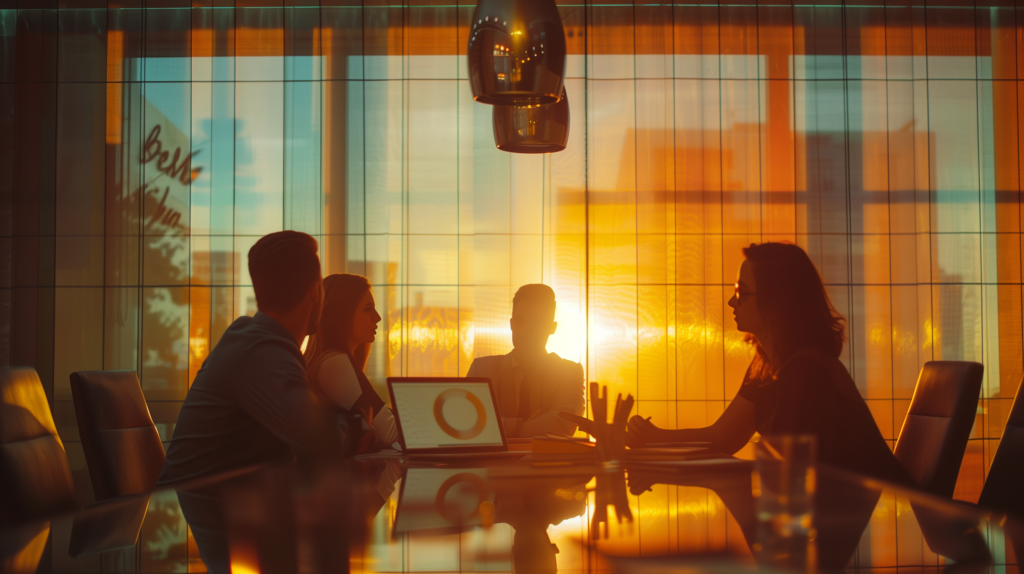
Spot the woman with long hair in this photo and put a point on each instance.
(796, 383)
(336, 354)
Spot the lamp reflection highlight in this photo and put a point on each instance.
(532, 128)
(516, 52)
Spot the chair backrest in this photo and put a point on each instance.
(1004, 487)
(934, 436)
(122, 446)
(34, 468)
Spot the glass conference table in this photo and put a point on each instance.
(385, 513)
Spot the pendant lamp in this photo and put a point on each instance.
(532, 129)
(516, 52)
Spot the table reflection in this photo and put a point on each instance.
(286, 520)
(386, 514)
(103, 528)
(842, 512)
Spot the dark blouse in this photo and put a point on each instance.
(813, 393)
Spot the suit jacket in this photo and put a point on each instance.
(557, 387)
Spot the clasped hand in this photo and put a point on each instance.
(641, 431)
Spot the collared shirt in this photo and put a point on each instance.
(556, 386)
(249, 404)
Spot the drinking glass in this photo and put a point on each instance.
(783, 484)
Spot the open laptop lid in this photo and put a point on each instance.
(446, 415)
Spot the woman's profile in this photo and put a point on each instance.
(796, 383)
(336, 354)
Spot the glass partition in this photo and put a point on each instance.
(145, 151)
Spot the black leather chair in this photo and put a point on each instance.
(934, 436)
(1004, 487)
(34, 473)
(122, 446)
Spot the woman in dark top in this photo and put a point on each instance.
(796, 383)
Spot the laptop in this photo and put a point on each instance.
(446, 415)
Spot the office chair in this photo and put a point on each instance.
(1004, 487)
(122, 446)
(934, 436)
(34, 468)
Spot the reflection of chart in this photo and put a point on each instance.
(444, 499)
(466, 433)
(448, 511)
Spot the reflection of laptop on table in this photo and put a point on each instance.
(447, 415)
(439, 500)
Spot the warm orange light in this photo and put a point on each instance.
(237, 568)
(197, 345)
(435, 339)
(115, 75)
(27, 559)
(570, 338)
(202, 42)
(244, 557)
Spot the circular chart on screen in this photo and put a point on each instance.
(460, 429)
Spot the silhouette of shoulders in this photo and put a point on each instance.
(551, 362)
(813, 393)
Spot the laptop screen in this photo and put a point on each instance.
(446, 414)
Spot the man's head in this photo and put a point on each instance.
(533, 317)
(285, 273)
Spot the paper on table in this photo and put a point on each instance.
(673, 465)
(670, 454)
(561, 446)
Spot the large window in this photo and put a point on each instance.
(145, 150)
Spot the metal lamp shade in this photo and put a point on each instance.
(532, 129)
(516, 52)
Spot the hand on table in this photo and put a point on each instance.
(641, 431)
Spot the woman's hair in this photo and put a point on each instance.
(793, 303)
(342, 294)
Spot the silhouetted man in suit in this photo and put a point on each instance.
(532, 385)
